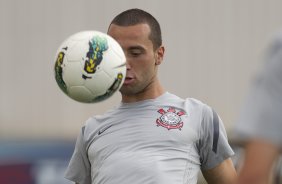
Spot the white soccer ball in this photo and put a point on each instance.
(90, 66)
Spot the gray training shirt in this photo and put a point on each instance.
(166, 140)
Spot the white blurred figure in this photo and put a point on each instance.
(50, 171)
(259, 127)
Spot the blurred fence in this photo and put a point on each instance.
(44, 162)
(34, 162)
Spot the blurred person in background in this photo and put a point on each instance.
(259, 128)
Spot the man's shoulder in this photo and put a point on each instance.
(191, 105)
(196, 103)
(188, 99)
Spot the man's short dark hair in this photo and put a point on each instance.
(135, 16)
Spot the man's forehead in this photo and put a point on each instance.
(135, 30)
(131, 36)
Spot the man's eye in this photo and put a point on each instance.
(135, 53)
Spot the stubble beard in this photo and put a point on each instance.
(130, 90)
(135, 89)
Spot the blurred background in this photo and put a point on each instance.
(213, 50)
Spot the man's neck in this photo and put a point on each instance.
(145, 95)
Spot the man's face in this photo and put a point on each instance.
(141, 58)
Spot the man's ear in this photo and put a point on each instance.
(159, 55)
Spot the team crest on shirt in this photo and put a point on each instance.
(170, 118)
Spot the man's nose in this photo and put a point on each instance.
(128, 67)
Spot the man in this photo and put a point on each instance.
(152, 137)
(260, 123)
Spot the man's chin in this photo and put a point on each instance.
(125, 91)
(128, 90)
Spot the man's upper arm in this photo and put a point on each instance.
(224, 173)
(259, 159)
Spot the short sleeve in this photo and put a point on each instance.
(213, 144)
(79, 170)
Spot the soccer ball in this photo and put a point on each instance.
(90, 66)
